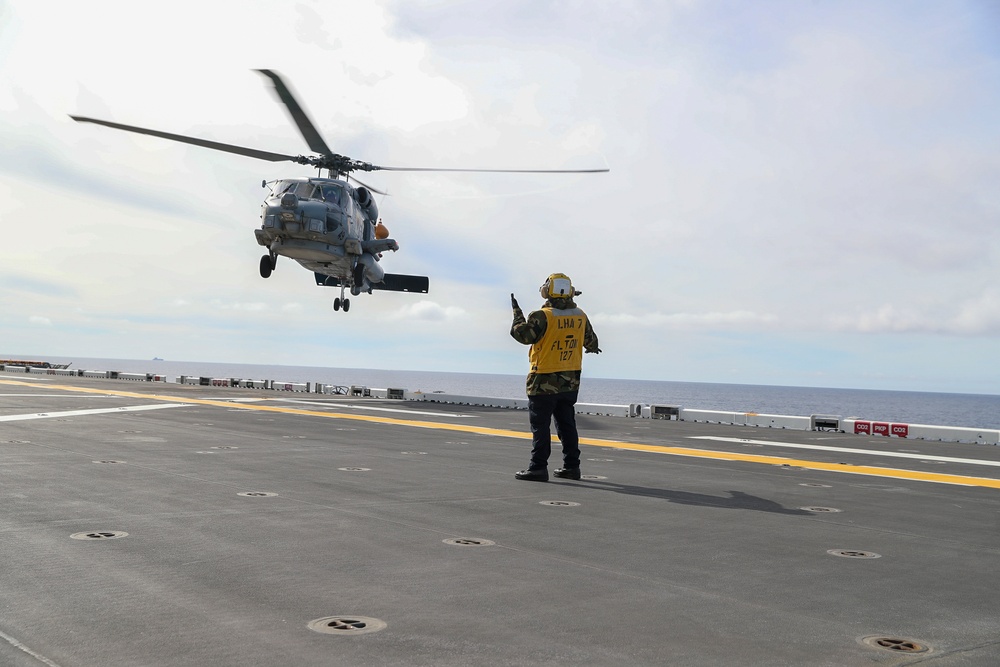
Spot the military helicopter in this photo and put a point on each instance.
(327, 224)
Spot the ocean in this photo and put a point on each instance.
(911, 407)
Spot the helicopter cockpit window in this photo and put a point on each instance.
(305, 191)
(332, 194)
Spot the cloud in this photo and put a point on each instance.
(429, 311)
(34, 285)
(43, 164)
(37, 320)
(974, 316)
(742, 319)
(249, 307)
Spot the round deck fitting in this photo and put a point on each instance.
(100, 535)
(257, 494)
(559, 503)
(897, 644)
(469, 542)
(347, 625)
(853, 553)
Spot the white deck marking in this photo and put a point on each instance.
(51, 396)
(868, 452)
(230, 399)
(335, 404)
(100, 411)
(26, 649)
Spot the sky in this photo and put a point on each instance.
(800, 193)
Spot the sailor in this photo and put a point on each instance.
(558, 334)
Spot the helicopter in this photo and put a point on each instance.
(328, 225)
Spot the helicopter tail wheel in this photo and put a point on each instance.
(266, 266)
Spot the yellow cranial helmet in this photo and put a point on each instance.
(557, 286)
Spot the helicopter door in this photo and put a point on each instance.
(352, 215)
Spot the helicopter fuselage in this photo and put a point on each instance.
(326, 225)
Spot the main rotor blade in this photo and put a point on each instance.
(229, 148)
(375, 190)
(306, 127)
(376, 167)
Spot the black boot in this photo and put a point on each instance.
(567, 473)
(536, 475)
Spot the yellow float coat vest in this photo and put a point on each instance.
(561, 346)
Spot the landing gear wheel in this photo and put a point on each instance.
(340, 300)
(266, 266)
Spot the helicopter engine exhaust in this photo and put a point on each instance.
(373, 272)
(367, 203)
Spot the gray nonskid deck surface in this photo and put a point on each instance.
(665, 560)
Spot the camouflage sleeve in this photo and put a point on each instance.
(528, 331)
(590, 338)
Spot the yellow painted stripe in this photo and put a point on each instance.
(895, 473)
(467, 428)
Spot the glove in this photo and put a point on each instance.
(513, 302)
(597, 351)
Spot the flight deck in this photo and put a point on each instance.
(162, 524)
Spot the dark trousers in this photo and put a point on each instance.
(541, 410)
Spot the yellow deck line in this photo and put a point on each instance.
(895, 473)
